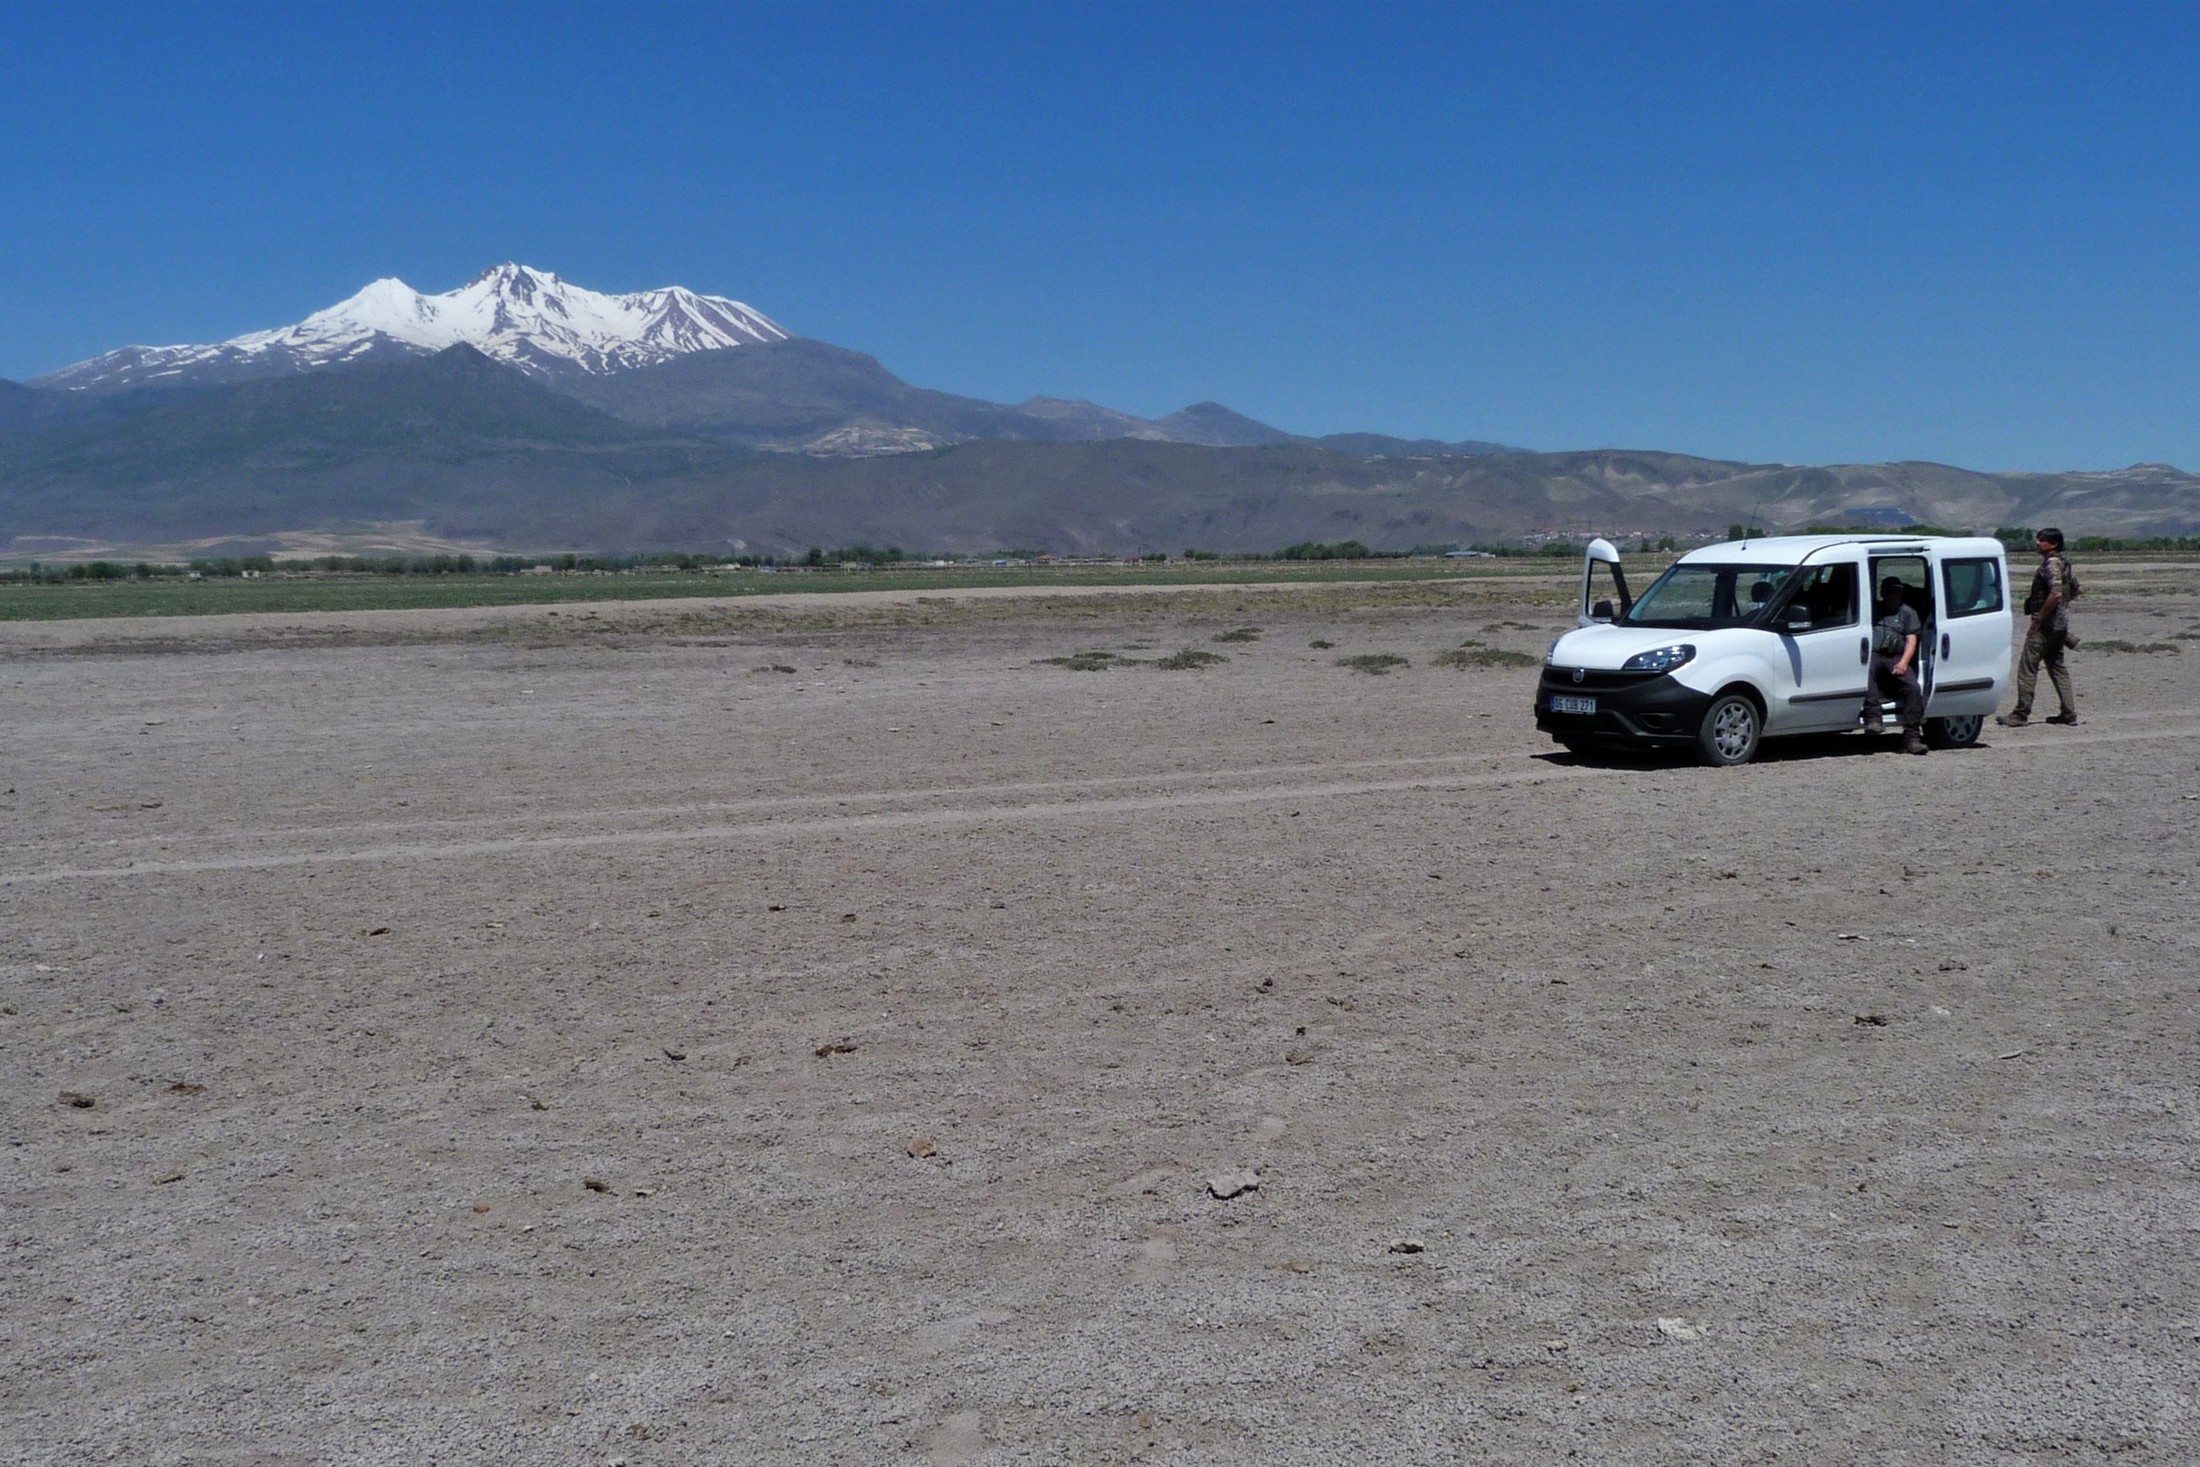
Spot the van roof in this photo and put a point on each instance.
(1793, 549)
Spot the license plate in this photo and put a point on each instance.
(1568, 703)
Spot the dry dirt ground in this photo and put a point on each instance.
(813, 1032)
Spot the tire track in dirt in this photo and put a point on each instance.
(947, 815)
(2186, 721)
(1227, 790)
(592, 815)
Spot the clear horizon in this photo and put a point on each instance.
(1802, 234)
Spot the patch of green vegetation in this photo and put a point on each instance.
(1512, 626)
(1321, 644)
(1189, 658)
(1376, 664)
(2116, 644)
(283, 593)
(1237, 634)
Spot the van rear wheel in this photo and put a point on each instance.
(1954, 733)
(1729, 732)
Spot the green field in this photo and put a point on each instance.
(175, 596)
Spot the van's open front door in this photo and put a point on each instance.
(1603, 585)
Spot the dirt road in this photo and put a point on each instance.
(800, 1035)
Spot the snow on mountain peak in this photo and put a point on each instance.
(513, 313)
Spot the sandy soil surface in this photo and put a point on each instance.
(820, 1034)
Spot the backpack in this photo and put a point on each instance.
(2038, 598)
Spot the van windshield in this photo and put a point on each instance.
(1700, 596)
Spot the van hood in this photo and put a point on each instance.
(1605, 648)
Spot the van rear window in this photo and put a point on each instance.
(1973, 586)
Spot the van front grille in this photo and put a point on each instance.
(1590, 679)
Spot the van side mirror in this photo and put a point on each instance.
(1602, 611)
(1797, 617)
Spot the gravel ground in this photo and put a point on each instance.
(818, 1033)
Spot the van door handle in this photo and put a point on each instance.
(1944, 646)
(1864, 651)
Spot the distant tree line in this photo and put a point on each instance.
(815, 558)
(1333, 550)
(1917, 529)
(852, 555)
(2017, 537)
(94, 570)
(2020, 537)
(375, 565)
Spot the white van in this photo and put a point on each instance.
(1757, 639)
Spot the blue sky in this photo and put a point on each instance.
(1803, 233)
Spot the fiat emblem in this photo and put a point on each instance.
(1580, 673)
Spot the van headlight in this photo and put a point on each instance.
(1660, 659)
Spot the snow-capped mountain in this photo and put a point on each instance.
(515, 314)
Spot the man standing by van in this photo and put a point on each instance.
(1895, 630)
(2052, 587)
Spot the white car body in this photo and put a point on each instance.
(1785, 627)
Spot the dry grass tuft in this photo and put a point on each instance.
(1476, 655)
(1095, 661)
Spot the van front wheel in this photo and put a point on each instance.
(1954, 733)
(1729, 731)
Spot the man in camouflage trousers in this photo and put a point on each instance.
(2052, 587)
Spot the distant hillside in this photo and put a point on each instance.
(1380, 445)
(810, 397)
(800, 395)
(21, 408)
(475, 451)
(454, 438)
(1215, 426)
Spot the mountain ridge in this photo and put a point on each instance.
(669, 419)
(641, 356)
(481, 453)
(512, 313)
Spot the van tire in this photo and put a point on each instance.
(1954, 733)
(1730, 731)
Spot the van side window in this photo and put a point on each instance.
(1829, 591)
(1974, 586)
(1916, 577)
